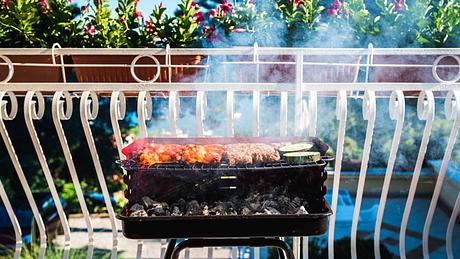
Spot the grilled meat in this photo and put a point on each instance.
(158, 154)
(250, 153)
(206, 154)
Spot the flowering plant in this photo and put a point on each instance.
(184, 29)
(102, 30)
(38, 23)
(229, 18)
(300, 13)
(353, 18)
(440, 25)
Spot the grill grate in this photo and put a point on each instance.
(132, 165)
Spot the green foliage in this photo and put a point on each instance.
(300, 13)
(441, 24)
(55, 252)
(35, 23)
(182, 30)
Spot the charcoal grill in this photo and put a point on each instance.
(170, 182)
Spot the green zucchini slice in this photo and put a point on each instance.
(299, 147)
(302, 157)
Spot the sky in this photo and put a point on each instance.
(145, 6)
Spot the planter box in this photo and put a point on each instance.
(31, 74)
(123, 74)
(312, 73)
(411, 74)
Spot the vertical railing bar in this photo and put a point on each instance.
(144, 111)
(200, 104)
(397, 112)
(173, 103)
(31, 113)
(369, 114)
(17, 166)
(450, 228)
(312, 114)
(452, 107)
(230, 111)
(117, 112)
(283, 114)
(256, 97)
(58, 115)
(88, 111)
(298, 94)
(425, 111)
(14, 222)
(298, 123)
(341, 114)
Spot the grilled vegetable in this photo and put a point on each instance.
(302, 157)
(300, 147)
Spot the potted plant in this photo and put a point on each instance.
(130, 29)
(37, 24)
(436, 25)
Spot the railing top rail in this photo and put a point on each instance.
(231, 51)
(221, 86)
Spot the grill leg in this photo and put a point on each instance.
(170, 248)
(283, 248)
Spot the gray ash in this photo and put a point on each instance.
(255, 204)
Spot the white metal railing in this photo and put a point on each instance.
(305, 94)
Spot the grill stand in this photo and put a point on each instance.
(173, 250)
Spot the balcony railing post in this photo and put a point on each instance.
(452, 108)
(397, 112)
(59, 114)
(369, 114)
(14, 222)
(89, 107)
(341, 114)
(5, 115)
(425, 111)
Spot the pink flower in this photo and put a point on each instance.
(251, 4)
(198, 17)
(335, 8)
(226, 7)
(208, 32)
(150, 27)
(45, 6)
(398, 5)
(90, 29)
(194, 5)
(239, 30)
(138, 14)
(297, 2)
(332, 11)
(213, 13)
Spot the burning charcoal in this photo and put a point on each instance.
(176, 211)
(218, 209)
(182, 205)
(271, 211)
(205, 210)
(297, 201)
(156, 211)
(193, 208)
(246, 211)
(136, 207)
(231, 211)
(148, 202)
(139, 213)
(302, 210)
(269, 204)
